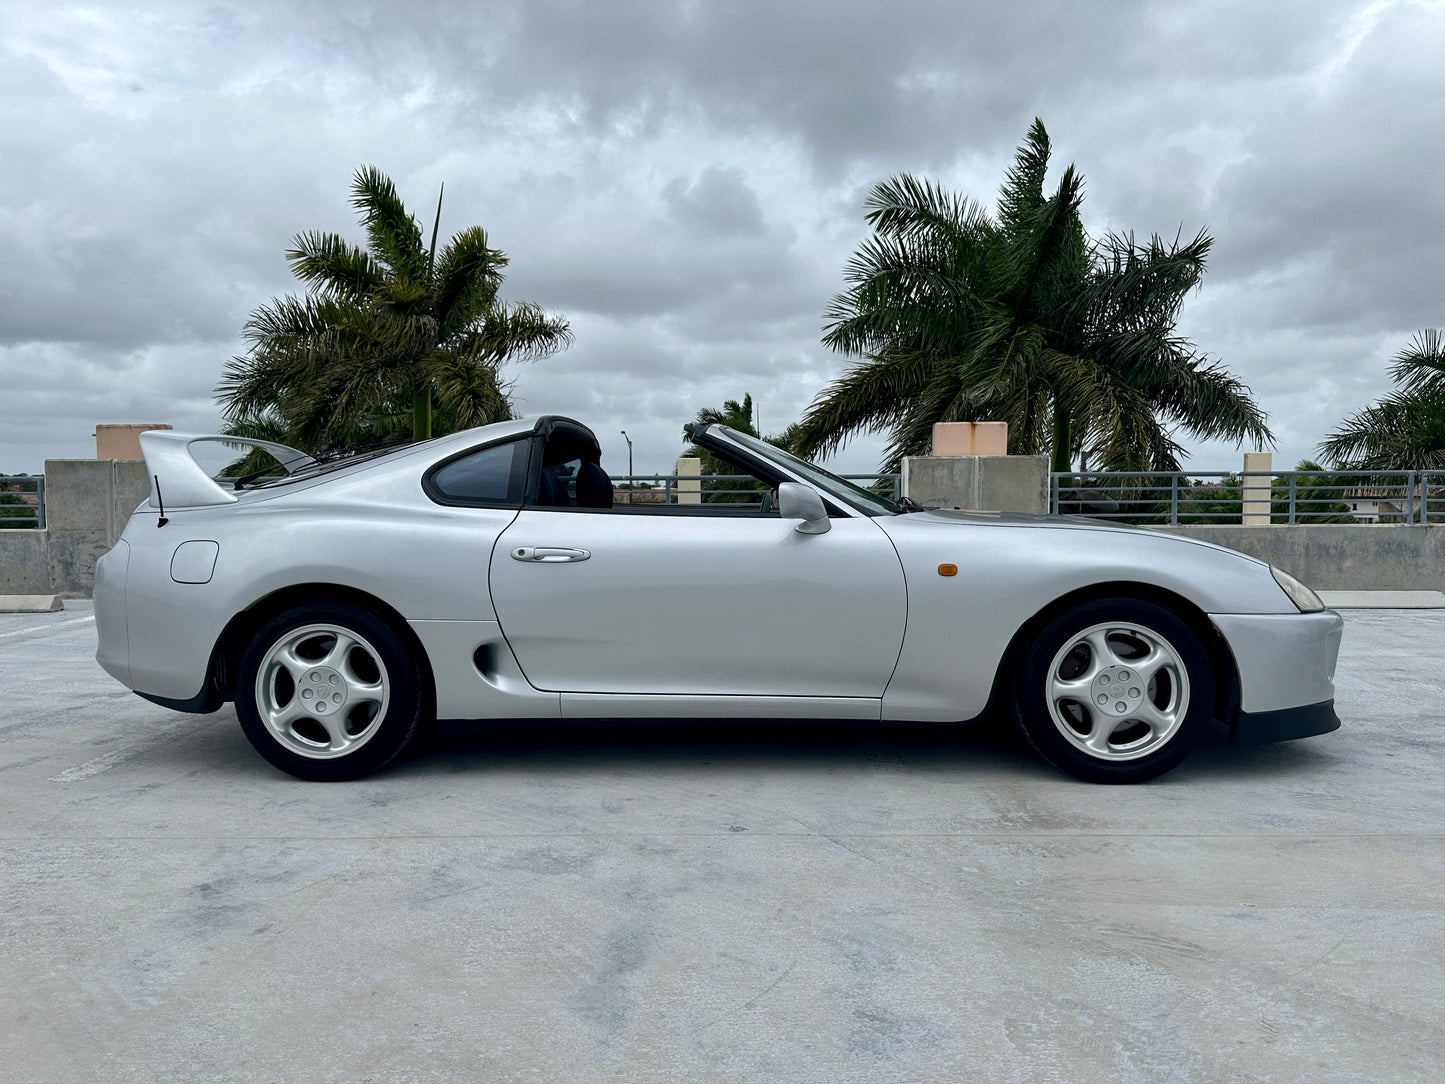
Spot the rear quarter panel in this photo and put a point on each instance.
(379, 535)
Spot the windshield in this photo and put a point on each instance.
(865, 500)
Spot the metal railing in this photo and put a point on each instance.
(1200, 497)
(22, 501)
(719, 490)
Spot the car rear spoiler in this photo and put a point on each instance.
(178, 481)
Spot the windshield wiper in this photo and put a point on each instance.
(908, 504)
(242, 481)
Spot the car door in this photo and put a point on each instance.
(681, 600)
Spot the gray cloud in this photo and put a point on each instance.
(684, 180)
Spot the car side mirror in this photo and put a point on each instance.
(797, 501)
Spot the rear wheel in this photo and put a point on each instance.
(329, 691)
(1115, 691)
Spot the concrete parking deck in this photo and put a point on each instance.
(717, 904)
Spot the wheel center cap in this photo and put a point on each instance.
(322, 691)
(1118, 691)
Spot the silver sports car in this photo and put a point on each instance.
(488, 574)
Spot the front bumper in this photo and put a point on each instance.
(1263, 727)
(1286, 665)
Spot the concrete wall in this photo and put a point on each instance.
(25, 563)
(1327, 556)
(995, 483)
(1340, 557)
(87, 504)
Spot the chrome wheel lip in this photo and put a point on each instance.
(1140, 674)
(346, 690)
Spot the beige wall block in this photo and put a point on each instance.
(121, 441)
(1256, 490)
(970, 438)
(689, 480)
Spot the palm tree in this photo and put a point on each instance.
(1405, 430)
(392, 340)
(1022, 318)
(742, 417)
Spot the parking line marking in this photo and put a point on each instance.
(53, 625)
(107, 761)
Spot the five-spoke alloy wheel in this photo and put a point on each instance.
(1115, 691)
(328, 691)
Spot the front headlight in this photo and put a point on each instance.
(1299, 594)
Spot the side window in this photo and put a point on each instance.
(494, 475)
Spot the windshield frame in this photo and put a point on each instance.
(850, 493)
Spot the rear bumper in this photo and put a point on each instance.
(1262, 727)
(112, 649)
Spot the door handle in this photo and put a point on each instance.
(548, 555)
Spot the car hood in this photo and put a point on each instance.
(945, 518)
(1019, 519)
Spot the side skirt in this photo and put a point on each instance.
(627, 706)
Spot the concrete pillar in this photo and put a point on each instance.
(1256, 491)
(87, 505)
(995, 483)
(689, 480)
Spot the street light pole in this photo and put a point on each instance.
(630, 480)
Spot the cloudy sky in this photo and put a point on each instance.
(685, 180)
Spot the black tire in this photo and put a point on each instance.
(382, 724)
(1140, 743)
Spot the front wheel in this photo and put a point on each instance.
(329, 691)
(1115, 691)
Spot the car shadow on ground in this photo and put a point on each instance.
(991, 746)
(678, 742)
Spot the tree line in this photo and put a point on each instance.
(948, 313)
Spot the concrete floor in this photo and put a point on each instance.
(717, 905)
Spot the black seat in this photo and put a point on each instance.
(594, 488)
(549, 490)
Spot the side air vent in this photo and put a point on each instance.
(485, 660)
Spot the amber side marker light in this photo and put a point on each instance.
(948, 570)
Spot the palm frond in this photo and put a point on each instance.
(393, 235)
(1421, 365)
(1023, 188)
(1403, 431)
(328, 263)
(467, 277)
(519, 332)
(872, 395)
(468, 393)
(904, 206)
